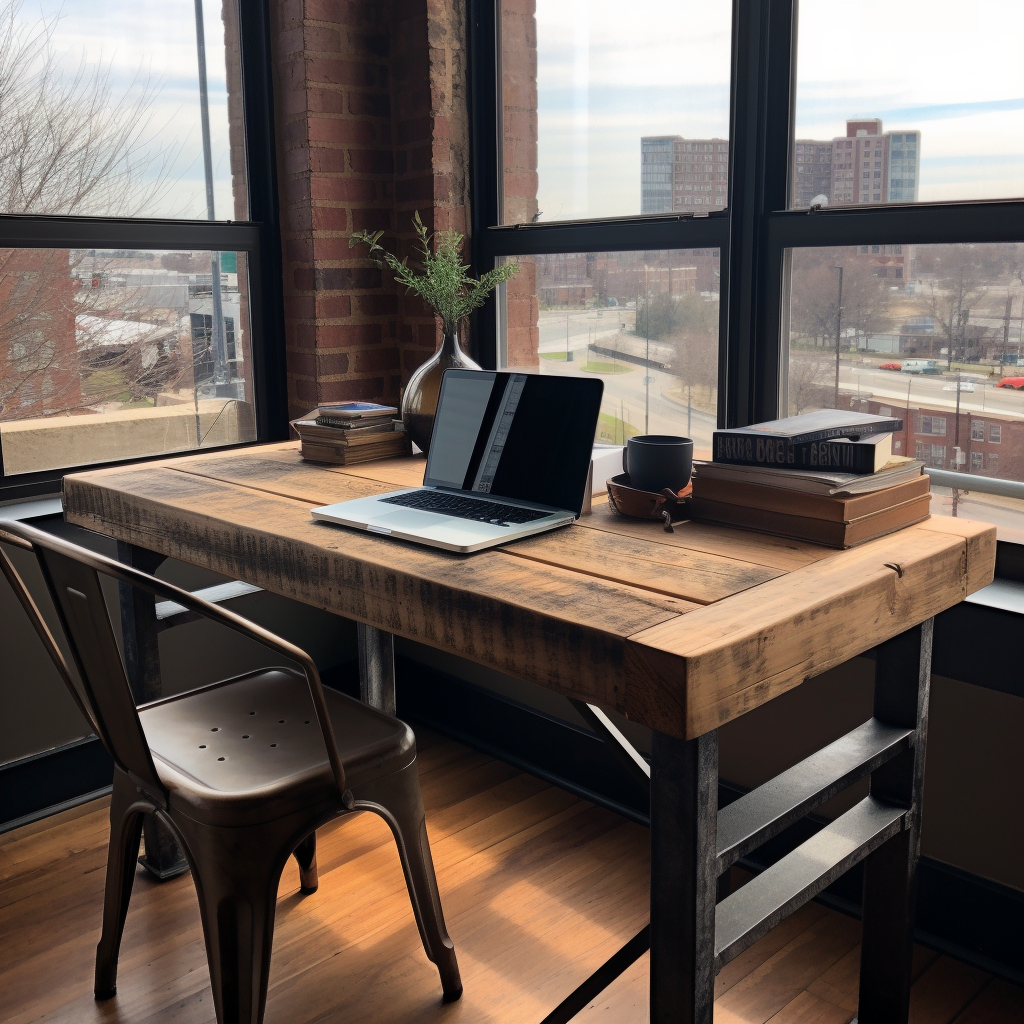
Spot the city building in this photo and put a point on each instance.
(812, 171)
(680, 175)
(866, 165)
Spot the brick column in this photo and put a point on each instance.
(366, 93)
(519, 101)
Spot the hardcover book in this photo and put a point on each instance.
(775, 442)
(813, 481)
(831, 534)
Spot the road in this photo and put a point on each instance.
(927, 392)
(581, 326)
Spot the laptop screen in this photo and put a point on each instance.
(515, 435)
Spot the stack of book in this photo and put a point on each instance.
(828, 477)
(351, 432)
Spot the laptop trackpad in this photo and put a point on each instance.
(431, 526)
(409, 519)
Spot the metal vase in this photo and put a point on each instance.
(419, 400)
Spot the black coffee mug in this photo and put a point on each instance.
(656, 461)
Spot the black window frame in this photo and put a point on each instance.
(259, 237)
(756, 231)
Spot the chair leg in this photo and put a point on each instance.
(125, 833)
(397, 799)
(236, 873)
(305, 857)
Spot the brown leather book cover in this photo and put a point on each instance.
(815, 531)
(814, 506)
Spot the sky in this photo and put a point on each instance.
(140, 41)
(609, 73)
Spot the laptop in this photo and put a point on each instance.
(509, 457)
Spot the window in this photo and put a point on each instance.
(646, 322)
(927, 264)
(977, 430)
(993, 464)
(941, 95)
(580, 104)
(129, 321)
(976, 461)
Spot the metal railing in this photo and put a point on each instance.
(981, 484)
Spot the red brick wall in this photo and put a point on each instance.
(371, 126)
(519, 101)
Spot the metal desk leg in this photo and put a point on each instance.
(162, 859)
(902, 681)
(684, 873)
(376, 667)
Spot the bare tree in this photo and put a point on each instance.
(960, 277)
(69, 144)
(814, 299)
(809, 383)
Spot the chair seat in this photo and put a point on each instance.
(248, 749)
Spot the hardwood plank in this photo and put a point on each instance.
(553, 626)
(760, 549)
(840, 984)
(778, 981)
(997, 1003)
(981, 546)
(808, 1009)
(725, 659)
(626, 999)
(644, 562)
(944, 991)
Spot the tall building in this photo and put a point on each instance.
(866, 165)
(812, 171)
(680, 175)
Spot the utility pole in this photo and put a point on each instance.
(1006, 323)
(839, 320)
(647, 367)
(220, 346)
(957, 454)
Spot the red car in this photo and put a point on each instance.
(890, 366)
(1017, 383)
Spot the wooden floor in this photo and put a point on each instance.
(539, 888)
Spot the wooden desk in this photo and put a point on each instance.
(681, 632)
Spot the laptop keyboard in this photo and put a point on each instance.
(480, 510)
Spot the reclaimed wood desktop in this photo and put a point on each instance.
(681, 632)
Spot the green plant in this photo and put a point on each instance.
(443, 282)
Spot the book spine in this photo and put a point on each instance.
(749, 450)
(841, 456)
(826, 456)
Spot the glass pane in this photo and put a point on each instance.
(920, 103)
(103, 109)
(109, 355)
(929, 333)
(646, 323)
(612, 114)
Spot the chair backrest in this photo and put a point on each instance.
(101, 690)
(103, 693)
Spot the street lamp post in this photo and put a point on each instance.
(839, 320)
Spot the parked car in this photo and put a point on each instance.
(890, 366)
(929, 366)
(1017, 383)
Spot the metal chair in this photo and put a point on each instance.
(242, 771)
